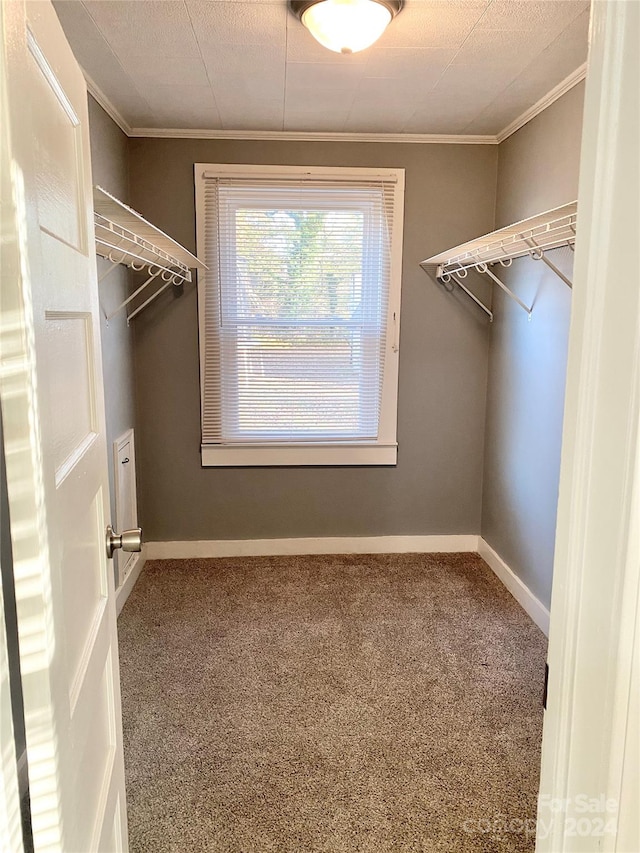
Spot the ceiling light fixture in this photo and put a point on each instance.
(346, 26)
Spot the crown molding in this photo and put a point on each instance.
(557, 92)
(309, 136)
(96, 92)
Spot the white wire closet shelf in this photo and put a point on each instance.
(123, 236)
(533, 236)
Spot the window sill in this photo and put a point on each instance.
(250, 455)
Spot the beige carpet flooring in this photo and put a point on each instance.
(334, 703)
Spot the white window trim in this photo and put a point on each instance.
(380, 452)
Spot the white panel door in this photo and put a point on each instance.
(53, 410)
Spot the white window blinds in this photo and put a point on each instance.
(300, 316)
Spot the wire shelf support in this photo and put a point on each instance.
(532, 237)
(124, 237)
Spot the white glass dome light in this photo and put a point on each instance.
(346, 26)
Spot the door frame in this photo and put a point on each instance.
(589, 779)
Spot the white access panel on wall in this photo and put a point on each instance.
(126, 505)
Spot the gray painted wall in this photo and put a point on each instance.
(537, 170)
(437, 484)
(109, 163)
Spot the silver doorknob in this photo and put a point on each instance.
(128, 540)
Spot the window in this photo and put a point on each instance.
(299, 314)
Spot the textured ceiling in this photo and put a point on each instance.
(442, 66)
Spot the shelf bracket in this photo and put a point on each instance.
(147, 301)
(483, 268)
(134, 294)
(176, 280)
(539, 254)
(446, 277)
(113, 265)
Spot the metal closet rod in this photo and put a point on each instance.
(549, 230)
(106, 249)
(496, 254)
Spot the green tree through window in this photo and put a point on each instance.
(299, 263)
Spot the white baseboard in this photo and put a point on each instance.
(321, 545)
(206, 548)
(519, 590)
(124, 590)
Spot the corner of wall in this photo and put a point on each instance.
(537, 170)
